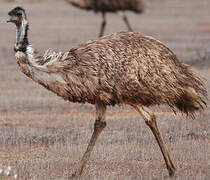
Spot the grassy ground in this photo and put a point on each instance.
(43, 137)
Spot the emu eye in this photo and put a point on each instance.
(18, 14)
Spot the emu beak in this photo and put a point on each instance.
(11, 19)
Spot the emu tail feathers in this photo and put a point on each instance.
(191, 101)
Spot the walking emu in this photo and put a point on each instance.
(122, 68)
(105, 6)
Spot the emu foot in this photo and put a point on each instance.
(172, 172)
(73, 177)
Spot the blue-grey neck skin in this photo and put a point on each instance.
(21, 35)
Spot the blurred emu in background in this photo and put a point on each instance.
(113, 6)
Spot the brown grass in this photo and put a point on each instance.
(43, 137)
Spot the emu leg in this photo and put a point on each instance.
(103, 24)
(125, 19)
(150, 120)
(99, 125)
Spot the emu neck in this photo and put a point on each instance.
(21, 36)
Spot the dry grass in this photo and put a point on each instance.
(43, 137)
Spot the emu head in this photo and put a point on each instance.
(16, 15)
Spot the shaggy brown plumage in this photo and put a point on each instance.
(122, 68)
(105, 6)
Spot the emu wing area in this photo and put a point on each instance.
(128, 68)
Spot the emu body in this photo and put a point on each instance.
(112, 6)
(122, 68)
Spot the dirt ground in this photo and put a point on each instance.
(43, 137)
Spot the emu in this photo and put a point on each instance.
(122, 68)
(113, 6)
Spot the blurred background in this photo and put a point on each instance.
(43, 137)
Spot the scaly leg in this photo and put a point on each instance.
(103, 24)
(125, 19)
(99, 125)
(150, 120)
